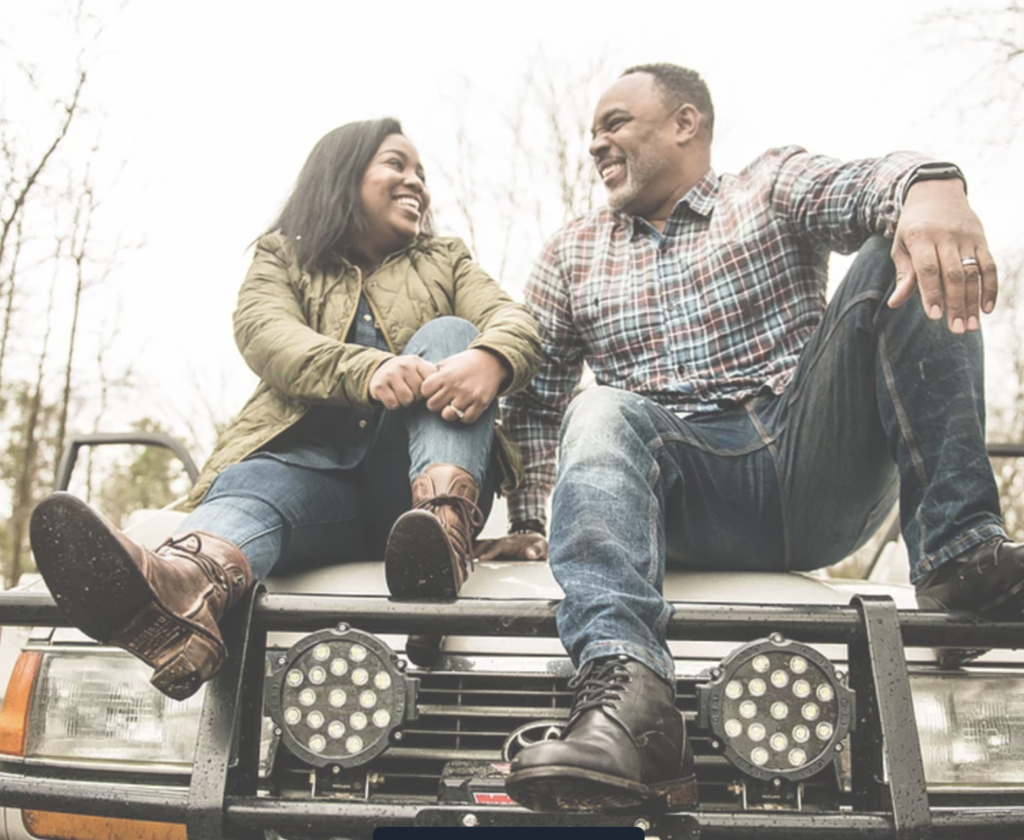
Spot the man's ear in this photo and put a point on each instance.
(687, 123)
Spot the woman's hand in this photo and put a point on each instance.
(398, 383)
(514, 546)
(465, 385)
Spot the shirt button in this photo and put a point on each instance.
(363, 424)
(367, 317)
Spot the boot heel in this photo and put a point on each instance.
(151, 634)
(182, 657)
(679, 793)
(195, 662)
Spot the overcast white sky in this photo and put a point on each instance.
(211, 109)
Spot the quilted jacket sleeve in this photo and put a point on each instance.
(506, 327)
(275, 338)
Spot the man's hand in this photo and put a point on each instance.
(936, 232)
(464, 385)
(398, 383)
(514, 547)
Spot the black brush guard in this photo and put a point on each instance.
(222, 798)
(222, 801)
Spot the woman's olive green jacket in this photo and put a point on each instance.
(290, 326)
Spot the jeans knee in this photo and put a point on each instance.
(442, 337)
(602, 419)
(874, 263)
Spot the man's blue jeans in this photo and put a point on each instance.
(883, 402)
(286, 516)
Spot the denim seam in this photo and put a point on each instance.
(901, 413)
(255, 537)
(903, 421)
(652, 478)
(722, 453)
(863, 297)
(773, 451)
(968, 542)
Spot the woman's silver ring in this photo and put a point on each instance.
(458, 411)
(966, 262)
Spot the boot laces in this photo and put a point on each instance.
(598, 684)
(192, 548)
(468, 514)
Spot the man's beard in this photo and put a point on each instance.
(641, 169)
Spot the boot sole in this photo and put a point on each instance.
(564, 788)
(102, 592)
(417, 559)
(993, 610)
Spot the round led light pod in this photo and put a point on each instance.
(338, 697)
(776, 709)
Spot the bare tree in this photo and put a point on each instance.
(16, 193)
(510, 191)
(992, 30)
(27, 452)
(50, 258)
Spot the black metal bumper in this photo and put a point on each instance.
(889, 796)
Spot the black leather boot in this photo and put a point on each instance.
(988, 581)
(625, 746)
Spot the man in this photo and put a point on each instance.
(737, 423)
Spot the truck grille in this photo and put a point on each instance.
(469, 715)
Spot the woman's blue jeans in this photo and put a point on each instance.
(883, 403)
(286, 516)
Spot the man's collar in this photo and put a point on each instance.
(700, 198)
(702, 195)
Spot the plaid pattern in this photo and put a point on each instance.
(714, 309)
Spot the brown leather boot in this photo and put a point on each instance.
(429, 550)
(162, 606)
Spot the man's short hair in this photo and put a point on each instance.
(681, 86)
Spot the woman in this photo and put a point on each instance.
(381, 350)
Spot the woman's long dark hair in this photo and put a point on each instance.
(324, 213)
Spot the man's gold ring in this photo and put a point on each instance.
(969, 261)
(458, 411)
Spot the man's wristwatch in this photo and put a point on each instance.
(934, 172)
(528, 526)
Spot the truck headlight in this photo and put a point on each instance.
(777, 709)
(971, 728)
(99, 706)
(338, 696)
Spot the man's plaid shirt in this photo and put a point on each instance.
(714, 309)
